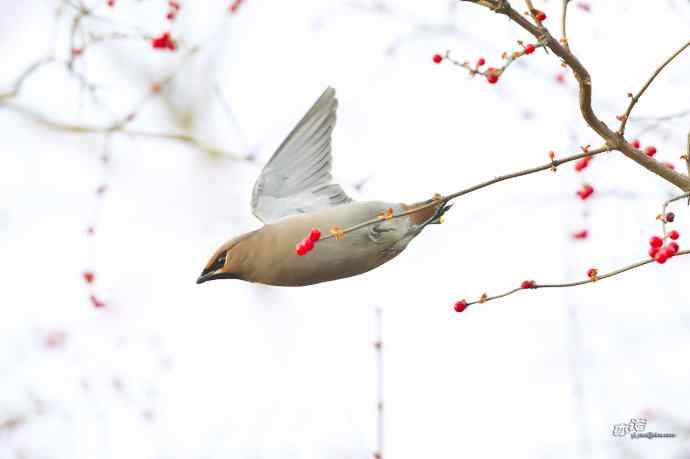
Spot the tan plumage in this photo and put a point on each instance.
(294, 194)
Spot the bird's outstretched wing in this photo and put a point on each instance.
(297, 178)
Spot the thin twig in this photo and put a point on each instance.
(636, 97)
(120, 127)
(576, 283)
(438, 200)
(564, 14)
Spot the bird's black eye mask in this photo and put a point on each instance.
(217, 264)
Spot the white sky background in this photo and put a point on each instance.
(170, 369)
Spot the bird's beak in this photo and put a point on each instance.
(213, 275)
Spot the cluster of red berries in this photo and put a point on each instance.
(528, 284)
(164, 42)
(583, 163)
(307, 243)
(585, 192)
(173, 9)
(661, 252)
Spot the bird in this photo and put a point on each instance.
(294, 194)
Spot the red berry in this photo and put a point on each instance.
(437, 58)
(674, 234)
(480, 62)
(585, 192)
(580, 235)
(96, 302)
(88, 276)
(529, 49)
(539, 15)
(528, 284)
(315, 234)
(300, 249)
(670, 217)
(460, 306)
(164, 42)
(656, 241)
(582, 164)
(110, 3)
(650, 151)
(673, 247)
(560, 78)
(661, 257)
(170, 16)
(635, 143)
(492, 75)
(592, 272)
(308, 244)
(653, 251)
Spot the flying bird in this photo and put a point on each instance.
(294, 194)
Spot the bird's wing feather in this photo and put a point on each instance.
(297, 178)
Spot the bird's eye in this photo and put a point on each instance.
(221, 260)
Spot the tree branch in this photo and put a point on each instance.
(591, 280)
(437, 200)
(612, 139)
(636, 97)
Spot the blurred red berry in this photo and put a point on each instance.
(592, 272)
(560, 78)
(110, 3)
(653, 251)
(308, 244)
(656, 241)
(315, 234)
(670, 217)
(528, 284)
(661, 257)
(650, 151)
(529, 49)
(481, 61)
(539, 15)
(584, 6)
(234, 6)
(582, 163)
(585, 192)
(164, 42)
(635, 143)
(581, 235)
(437, 58)
(300, 249)
(88, 277)
(673, 247)
(674, 234)
(96, 302)
(492, 75)
(460, 306)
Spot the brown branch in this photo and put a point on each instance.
(485, 298)
(17, 86)
(636, 97)
(443, 199)
(612, 138)
(120, 127)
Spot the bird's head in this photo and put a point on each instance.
(226, 262)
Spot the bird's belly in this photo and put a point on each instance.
(360, 251)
